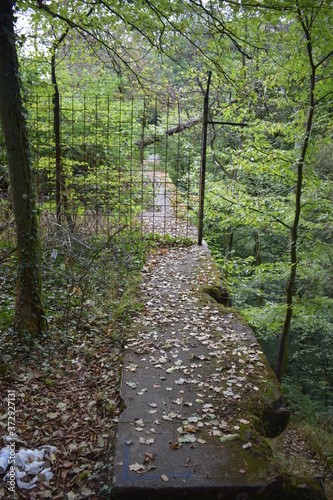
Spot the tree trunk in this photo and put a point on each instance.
(229, 240)
(56, 126)
(29, 318)
(61, 194)
(282, 358)
(257, 258)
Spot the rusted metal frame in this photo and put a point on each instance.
(141, 163)
(207, 122)
(188, 194)
(57, 136)
(131, 164)
(177, 171)
(72, 163)
(96, 167)
(107, 174)
(2, 146)
(154, 166)
(232, 124)
(166, 168)
(49, 183)
(37, 148)
(203, 162)
(84, 161)
(119, 161)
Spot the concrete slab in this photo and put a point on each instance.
(199, 395)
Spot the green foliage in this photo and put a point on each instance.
(260, 62)
(251, 182)
(157, 240)
(89, 282)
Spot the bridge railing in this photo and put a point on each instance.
(102, 172)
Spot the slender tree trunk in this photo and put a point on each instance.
(257, 257)
(56, 126)
(282, 358)
(29, 318)
(229, 240)
(61, 195)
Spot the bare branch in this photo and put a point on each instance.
(171, 131)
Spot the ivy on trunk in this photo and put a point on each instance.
(29, 318)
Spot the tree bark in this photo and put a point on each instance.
(282, 358)
(29, 317)
(171, 131)
(257, 259)
(61, 194)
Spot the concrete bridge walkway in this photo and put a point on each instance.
(199, 396)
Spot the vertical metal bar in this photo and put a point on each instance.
(203, 162)
(49, 183)
(143, 131)
(141, 161)
(131, 163)
(37, 147)
(2, 147)
(56, 118)
(154, 166)
(85, 163)
(188, 194)
(96, 164)
(119, 162)
(177, 172)
(166, 167)
(108, 195)
(67, 184)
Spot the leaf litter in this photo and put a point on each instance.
(68, 399)
(68, 396)
(169, 331)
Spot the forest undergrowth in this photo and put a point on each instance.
(67, 383)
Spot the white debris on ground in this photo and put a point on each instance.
(31, 465)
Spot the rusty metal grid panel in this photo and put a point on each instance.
(123, 163)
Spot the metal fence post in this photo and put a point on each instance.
(203, 163)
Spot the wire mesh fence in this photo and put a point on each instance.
(115, 162)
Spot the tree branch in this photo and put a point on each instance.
(171, 131)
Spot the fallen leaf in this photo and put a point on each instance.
(136, 467)
(52, 415)
(164, 478)
(141, 393)
(247, 445)
(187, 438)
(132, 385)
(146, 441)
(149, 457)
(131, 367)
(191, 429)
(229, 437)
(175, 446)
(178, 401)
